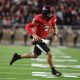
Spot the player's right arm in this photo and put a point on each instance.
(29, 27)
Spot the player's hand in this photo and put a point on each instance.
(36, 38)
(55, 37)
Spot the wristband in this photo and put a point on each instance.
(55, 33)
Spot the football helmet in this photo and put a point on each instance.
(47, 11)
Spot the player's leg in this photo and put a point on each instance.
(29, 55)
(43, 47)
(26, 55)
(49, 59)
(50, 62)
(34, 54)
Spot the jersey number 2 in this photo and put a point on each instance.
(46, 28)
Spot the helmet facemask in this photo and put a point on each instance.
(47, 11)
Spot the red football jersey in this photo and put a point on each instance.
(42, 26)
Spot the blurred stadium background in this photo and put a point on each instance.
(14, 15)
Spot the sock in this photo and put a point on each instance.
(19, 56)
(53, 69)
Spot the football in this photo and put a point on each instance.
(34, 42)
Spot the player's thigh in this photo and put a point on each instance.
(43, 48)
(37, 51)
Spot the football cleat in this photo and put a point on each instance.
(56, 73)
(14, 58)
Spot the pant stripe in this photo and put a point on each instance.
(40, 48)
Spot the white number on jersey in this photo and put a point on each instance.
(46, 28)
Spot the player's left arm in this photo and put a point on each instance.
(55, 32)
(55, 28)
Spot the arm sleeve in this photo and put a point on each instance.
(31, 25)
(54, 25)
(28, 28)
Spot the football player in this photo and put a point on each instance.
(43, 23)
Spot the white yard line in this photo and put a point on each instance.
(23, 68)
(54, 50)
(34, 68)
(7, 78)
(16, 73)
(16, 79)
(61, 53)
(49, 75)
(40, 65)
(43, 74)
(56, 60)
(18, 68)
(27, 60)
(59, 66)
(43, 59)
(8, 59)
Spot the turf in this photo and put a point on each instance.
(23, 69)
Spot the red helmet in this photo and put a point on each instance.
(47, 11)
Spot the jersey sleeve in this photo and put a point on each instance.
(31, 25)
(36, 20)
(54, 20)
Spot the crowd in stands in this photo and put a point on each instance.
(22, 11)
(66, 37)
(17, 13)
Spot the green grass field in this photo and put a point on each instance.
(66, 60)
